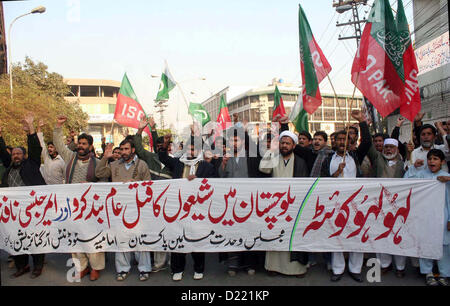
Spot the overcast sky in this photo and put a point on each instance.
(234, 42)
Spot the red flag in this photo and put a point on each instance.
(278, 106)
(223, 119)
(128, 109)
(410, 99)
(313, 63)
(377, 69)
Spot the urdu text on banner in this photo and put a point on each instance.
(394, 216)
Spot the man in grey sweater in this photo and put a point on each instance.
(80, 168)
(127, 169)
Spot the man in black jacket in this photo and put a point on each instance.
(240, 164)
(23, 171)
(190, 166)
(283, 162)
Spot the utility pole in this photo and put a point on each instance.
(161, 106)
(3, 53)
(341, 7)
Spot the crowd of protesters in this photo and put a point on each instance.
(349, 153)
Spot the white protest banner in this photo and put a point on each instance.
(433, 54)
(395, 216)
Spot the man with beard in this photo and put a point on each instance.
(367, 168)
(310, 154)
(189, 166)
(333, 141)
(53, 168)
(127, 169)
(427, 139)
(239, 164)
(158, 171)
(80, 168)
(23, 171)
(353, 136)
(388, 164)
(285, 163)
(335, 166)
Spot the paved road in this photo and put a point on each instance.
(55, 271)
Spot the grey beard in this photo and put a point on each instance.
(427, 144)
(389, 156)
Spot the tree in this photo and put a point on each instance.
(38, 91)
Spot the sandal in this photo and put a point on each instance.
(143, 276)
(442, 281)
(431, 281)
(121, 276)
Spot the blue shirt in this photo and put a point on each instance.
(427, 174)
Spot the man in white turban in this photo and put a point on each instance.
(388, 164)
(282, 162)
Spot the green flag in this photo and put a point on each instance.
(278, 105)
(314, 65)
(199, 113)
(299, 116)
(166, 85)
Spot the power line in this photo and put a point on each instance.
(328, 25)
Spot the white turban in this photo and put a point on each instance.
(391, 141)
(289, 134)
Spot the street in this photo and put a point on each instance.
(55, 274)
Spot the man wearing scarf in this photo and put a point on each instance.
(189, 166)
(80, 168)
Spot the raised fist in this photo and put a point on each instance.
(60, 120)
(358, 115)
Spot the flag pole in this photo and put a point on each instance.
(111, 131)
(185, 100)
(336, 98)
(412, 139)
(351, 106)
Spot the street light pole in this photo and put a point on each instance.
(40, 10)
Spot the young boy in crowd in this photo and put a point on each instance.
(435, 161)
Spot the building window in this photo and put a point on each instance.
(342, 103)
(254, 99)
(110, 92)
(328, 102)
(328, 114)
(246, 115)
(289, 97)
(340, 115)
(338, 126)
(89, 91)
(270, 97)
(270, 110)
(254, 115)
(73, 91)
(317, 115)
